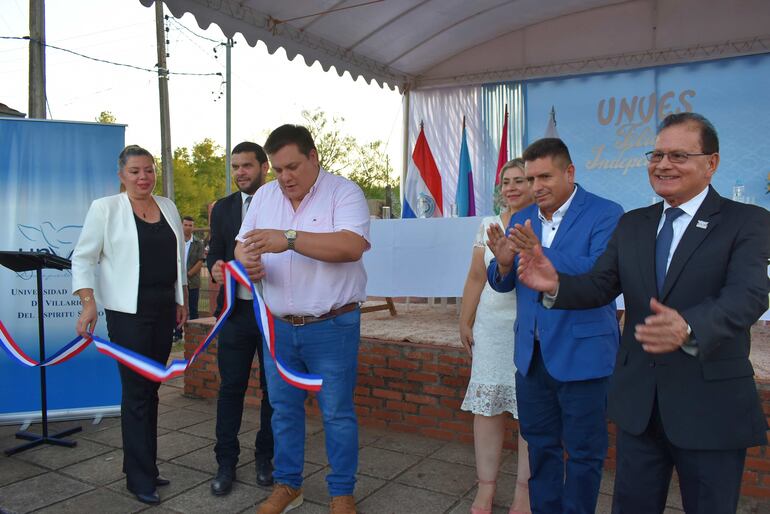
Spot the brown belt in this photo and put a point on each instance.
(298, 321)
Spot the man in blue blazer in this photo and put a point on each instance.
(563, 358)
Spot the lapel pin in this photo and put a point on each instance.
(702, 224)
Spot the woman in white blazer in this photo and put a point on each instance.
(130, 259)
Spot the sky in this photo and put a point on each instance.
(267, 90)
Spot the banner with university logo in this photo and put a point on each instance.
(50, 172)
(609, 121)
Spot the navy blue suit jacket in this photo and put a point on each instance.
(718, 282)
(576, 345)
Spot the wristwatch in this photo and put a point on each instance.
(291, 236)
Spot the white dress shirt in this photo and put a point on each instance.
(187, 245)
(550, 227)
(241, 292)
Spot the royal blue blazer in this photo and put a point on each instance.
(575, 344)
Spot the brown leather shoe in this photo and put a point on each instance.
(342, 505)
(282, 499)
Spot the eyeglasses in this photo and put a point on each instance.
(675, 157)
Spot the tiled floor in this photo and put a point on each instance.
(398, 473)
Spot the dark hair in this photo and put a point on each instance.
(132, 151)
(188, 218)
(709, 141)
(290, 135)
(248, 146)
(552, 147)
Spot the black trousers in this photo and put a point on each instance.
(238, 340)
(149, 333)
(193, 295)
(709, 480)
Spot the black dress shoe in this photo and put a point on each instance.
(150, 498)
(160, 481)
(264, 472)
(222, 483)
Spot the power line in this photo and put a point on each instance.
(199, 47)
(178, 23)
(27, 38)
(217, 95)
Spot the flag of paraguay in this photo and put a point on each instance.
(422, 191)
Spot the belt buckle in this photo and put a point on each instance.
(296, 323)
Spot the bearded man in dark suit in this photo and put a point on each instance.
(239, 338)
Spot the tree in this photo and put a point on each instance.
(365, 164)
(198, 179)
(374, 174)
(371, 169)
(335, 149)
(106, 117)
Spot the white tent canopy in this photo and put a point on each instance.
(428, 43)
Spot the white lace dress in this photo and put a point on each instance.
(492, 388)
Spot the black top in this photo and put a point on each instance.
(157, 253)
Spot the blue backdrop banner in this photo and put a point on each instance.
(608, 121)
(50, 171)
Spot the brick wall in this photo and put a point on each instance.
(418, 389)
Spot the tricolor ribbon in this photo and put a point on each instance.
(264, 318)
(152, 370)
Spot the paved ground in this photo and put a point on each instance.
(398, 473)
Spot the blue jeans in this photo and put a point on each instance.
(330, 349)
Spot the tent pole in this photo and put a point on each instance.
(405, 116)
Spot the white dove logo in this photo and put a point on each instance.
(58, 241)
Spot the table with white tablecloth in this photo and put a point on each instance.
(424, 257)
(420, 257)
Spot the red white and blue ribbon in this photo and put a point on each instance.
(153, 370)
(69, 350)
(265, 322)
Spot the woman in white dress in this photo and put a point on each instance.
(486, 331)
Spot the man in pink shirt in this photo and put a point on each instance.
(303, 237)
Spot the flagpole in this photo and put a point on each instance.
(502, 156)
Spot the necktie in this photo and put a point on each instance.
(246, 204)
(663, 245)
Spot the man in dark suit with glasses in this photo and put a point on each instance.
(693, 272)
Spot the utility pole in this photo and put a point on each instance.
(165, 119)
(37, 59)
(228, 113)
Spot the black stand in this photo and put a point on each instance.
(28, 261)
